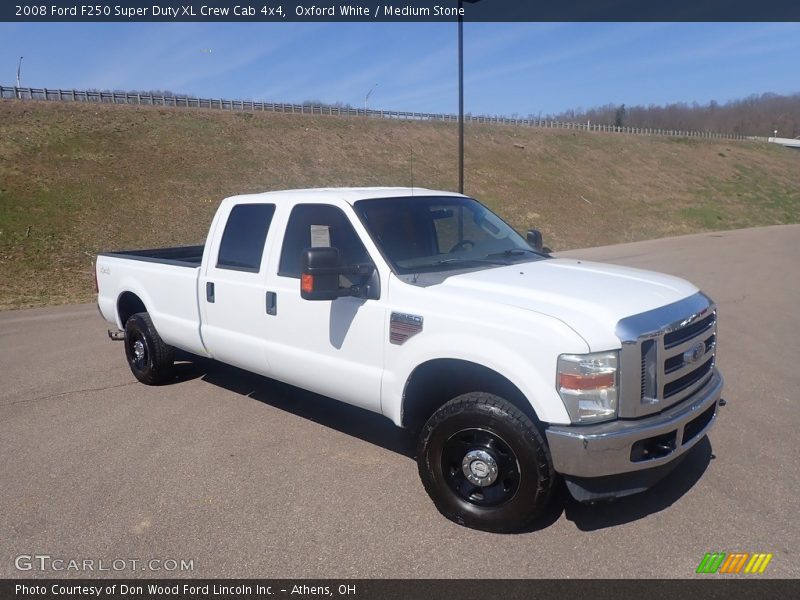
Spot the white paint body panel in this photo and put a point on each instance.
(169, 292)
(515, 320)
(591, 297)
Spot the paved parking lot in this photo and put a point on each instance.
(248, 477)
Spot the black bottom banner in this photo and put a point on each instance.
(363, 589)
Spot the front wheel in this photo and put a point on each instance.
(150, 359)
(485, 464)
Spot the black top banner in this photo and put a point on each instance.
(399, 11)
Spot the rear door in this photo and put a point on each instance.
(233, 289)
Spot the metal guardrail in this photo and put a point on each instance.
(60, 95)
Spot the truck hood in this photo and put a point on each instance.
(589, 297)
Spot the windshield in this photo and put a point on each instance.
(441, 233)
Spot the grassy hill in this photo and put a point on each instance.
(76, 179)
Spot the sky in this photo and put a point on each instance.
(509, 68)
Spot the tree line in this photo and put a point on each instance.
(755, 115)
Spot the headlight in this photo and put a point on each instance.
(588, 384)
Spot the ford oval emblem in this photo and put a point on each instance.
(695, 353)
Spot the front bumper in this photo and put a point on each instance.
(628, 446)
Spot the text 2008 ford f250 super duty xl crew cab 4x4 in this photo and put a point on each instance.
(512, 367)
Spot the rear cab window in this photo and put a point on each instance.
(242, 244)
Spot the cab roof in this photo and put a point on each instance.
(348, 194)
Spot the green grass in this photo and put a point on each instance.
(76, 179)
(750, 196)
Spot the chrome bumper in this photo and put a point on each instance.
(606, 448)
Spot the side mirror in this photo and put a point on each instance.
(320, 277)
(534, 238)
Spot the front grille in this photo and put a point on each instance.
(687, 357)
(667, 354)
(686, 360)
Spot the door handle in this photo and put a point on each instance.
(272, 303)
(210, 291)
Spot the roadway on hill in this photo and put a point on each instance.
(247, 477)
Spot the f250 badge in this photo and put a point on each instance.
(105, 270)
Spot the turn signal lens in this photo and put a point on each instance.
(307, 283)
(573, 381)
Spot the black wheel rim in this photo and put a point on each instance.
(138, 352)
(480, 467)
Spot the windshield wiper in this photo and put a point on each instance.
(513, 252)
(455, 261)
(486, 261)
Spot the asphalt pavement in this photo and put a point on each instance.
(247, 477)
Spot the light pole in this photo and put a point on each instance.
(19, 68)
(461, 94)
(366, 98)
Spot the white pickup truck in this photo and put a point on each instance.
(511, 366)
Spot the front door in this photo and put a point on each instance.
(334, 347)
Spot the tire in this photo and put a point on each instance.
(150, 359)
(483, 437)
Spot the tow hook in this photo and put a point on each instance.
(722, 402)
(116, 335)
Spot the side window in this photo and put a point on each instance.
(243, 239)
(328, 226)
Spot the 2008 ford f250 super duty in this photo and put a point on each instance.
(510, 365)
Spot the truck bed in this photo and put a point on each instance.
(181, 256)
(165, 281)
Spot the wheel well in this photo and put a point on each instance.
(129, 304)
(435, 382)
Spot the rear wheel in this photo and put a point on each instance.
(485, 464)
(150, 359)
